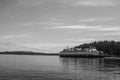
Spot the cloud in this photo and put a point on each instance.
(96, 19)
(80, 40)
(45, 20)
(112, 34)
(30, 3)
(14, 47)
(89, 2)
(75, 27)
(16, 36)
(110, 29)
(40, 23)
(86, 27)
(46, 47)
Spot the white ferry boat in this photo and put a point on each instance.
(90, 52)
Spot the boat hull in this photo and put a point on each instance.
(112, 58)
(81, 54)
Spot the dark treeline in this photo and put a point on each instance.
(108, 47)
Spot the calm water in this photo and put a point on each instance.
(25, 67)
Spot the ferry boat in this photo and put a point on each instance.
(90, 52)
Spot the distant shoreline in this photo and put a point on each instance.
(27, 53)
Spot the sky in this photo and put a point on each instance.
(51, 25)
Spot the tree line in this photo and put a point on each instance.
(111, 48)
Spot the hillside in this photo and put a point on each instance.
(14, 47)
(108, 47)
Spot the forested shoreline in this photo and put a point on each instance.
(111, 48)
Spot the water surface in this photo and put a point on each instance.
(27, 67)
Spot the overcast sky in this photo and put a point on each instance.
(51, 25)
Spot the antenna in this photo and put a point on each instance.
(67, 47)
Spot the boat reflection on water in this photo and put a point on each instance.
(83, 63)
(91, 68)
